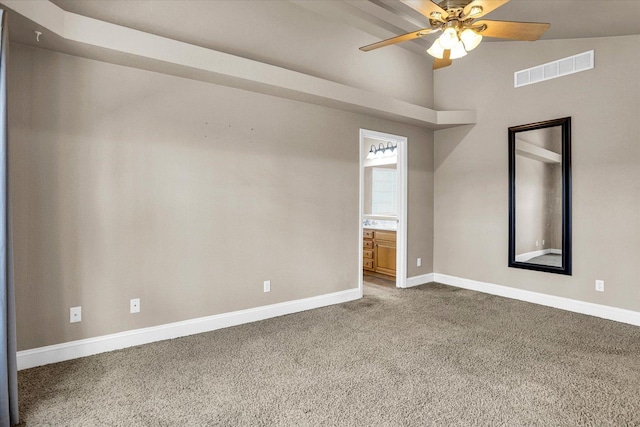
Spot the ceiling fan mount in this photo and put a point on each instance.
(453, 4)
(461, 31)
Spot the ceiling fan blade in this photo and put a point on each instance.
(444, 62)
(404, 37)
(530, 31)
(427, 7)
(486, 6)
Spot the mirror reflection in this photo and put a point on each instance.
(540, 196)
(380, 181)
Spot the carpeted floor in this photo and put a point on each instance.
(553, 260)
(430, 355)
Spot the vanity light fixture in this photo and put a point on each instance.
(390, 149)
(382, 151)
(372, 153)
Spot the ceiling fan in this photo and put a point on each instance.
(461, 32)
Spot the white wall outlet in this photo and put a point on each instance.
(537, 243)
(134, 305)
(542, 242)
(600, 285)
(267, 285)
(75, 314)
(419, 262)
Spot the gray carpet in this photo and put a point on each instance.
(553, 260)
(430, 355)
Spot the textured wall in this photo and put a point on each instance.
(128, 183)
(471, 165)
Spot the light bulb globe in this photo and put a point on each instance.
(449, 38)
(388, 151)
(471, 39)
(458, 51)
(436, 50)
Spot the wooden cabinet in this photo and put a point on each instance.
(385, 257)
(379, 253)
(367, 250)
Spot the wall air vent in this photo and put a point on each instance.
(562, 67)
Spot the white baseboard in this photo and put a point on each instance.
(419, 280)
(87, 347)
(597, 310)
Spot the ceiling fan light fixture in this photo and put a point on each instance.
(449, 38)
(461, 33)
(436, 50)
(470, 38)
(458, 51)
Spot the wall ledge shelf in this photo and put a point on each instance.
(78, 35)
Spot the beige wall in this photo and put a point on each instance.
(128, 183)
(471, 165)
(420, 231)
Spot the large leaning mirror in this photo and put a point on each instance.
(540, 196)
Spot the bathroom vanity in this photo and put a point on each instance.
(379, 251)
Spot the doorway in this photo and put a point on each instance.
(383, 209)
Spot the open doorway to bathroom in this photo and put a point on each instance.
(383, 209)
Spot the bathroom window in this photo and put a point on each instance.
(384, 191)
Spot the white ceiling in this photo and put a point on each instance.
(569, 19)
(304, 36)
(273, 31)
(228, 25)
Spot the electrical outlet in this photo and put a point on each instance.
(600, 285)
(75, 314)
(419, 262)
(134, 305)
(537, 243)
(267, 285)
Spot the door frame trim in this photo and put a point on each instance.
(401, 233)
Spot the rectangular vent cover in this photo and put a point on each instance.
(551, 70)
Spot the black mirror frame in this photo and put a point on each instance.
(566, 196)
